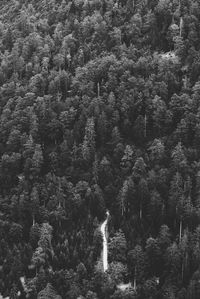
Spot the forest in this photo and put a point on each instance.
(99, 111)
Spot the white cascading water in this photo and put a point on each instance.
(121, 286)
(124, 286)
(105, 244)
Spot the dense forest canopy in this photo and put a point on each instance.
(100, 110)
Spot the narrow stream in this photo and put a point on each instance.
(121, 286)
(105, 244)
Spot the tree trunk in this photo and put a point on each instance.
(140, 211)
(98, 90)
(185, 81)
(134, 283)
(180, 230)
(145, 126)
(186, 261)
(33, 220)
(181, 26)
(182, 269)
(163, 208)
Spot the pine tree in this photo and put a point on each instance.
(88, 146)
(48, 293)
(118, 247)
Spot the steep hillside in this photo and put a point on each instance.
(100, 111)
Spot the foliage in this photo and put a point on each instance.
(99, 110)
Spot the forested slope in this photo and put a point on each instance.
(100, 109)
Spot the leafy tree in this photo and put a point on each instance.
(179, 159)
(173, 259)
(117, 271)
(91, 295)
(118, 247)
(35, 203)
(38, 258)
(193, 289)
(137, 263)
(48, 292)
(153, 256)
(123, 197)
(88, 146)
(157, 151)
(16, 232)
(164, 237)
(127, 159)
(139, 168)
(45, 237)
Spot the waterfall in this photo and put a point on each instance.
(22, 279)
(105, 244)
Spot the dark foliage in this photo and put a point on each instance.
(99, 109)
